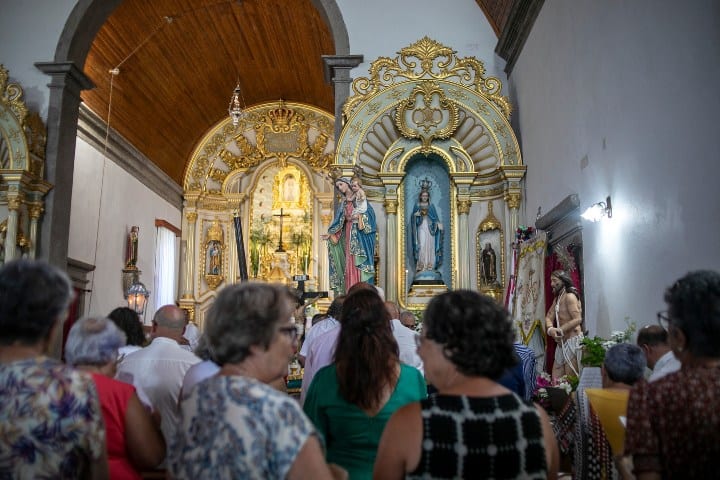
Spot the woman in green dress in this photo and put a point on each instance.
(351, 400)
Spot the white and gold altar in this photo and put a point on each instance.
(430, 133)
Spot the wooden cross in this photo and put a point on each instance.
(280, 244)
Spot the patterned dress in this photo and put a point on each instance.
(51, 424)
(673, 424)
(236, 427)
(474, 437)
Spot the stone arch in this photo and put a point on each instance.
(68, 81)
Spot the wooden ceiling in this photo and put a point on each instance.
(179, 61)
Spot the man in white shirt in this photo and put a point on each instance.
(159, 368)
(405, 338)
(330, 323)
(653, 341)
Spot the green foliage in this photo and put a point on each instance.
(594, 348)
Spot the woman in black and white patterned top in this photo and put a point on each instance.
(473, 427)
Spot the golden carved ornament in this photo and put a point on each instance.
(490, 222)
(20, 239)
(36, 210)
(14, 202)
(11, 95)
(424, 60)
(391, 206)
(275, 131)
(36, 135)
(191, 216)
(427, 114)
(214, 232)
(283, 133)
(513, 200)
(325, 219)
(464, 206)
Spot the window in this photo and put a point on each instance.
(166, 263)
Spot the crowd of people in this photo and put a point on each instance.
(379, 400)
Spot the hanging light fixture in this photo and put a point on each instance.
(237, 104)
(137, 296)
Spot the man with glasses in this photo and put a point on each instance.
(652, 339)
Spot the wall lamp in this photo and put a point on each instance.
(137, 297)
(597, 211)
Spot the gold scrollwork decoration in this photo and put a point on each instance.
(426, 59)
(427, 114)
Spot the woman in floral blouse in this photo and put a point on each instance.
(51, 425)
(233, 424)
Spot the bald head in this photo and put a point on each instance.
(169, 321)
(653, 341)
(407, 319)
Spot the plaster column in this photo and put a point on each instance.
(464, 266)
(36, 210)
(14, 202)
(337, 72)
(391, 254)
(188, 273)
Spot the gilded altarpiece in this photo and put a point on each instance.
(22, 162)
(430, 106)
(271, 171)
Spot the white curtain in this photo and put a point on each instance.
(165, 267)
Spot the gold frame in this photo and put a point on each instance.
(483, 234)
(214, 235)
(402, 227)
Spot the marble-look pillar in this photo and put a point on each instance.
(188, 272)
(36, 210)
(513, 202)
(14, 202)
(391, 273)
(464, 266)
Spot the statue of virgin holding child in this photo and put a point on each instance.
(351, 237)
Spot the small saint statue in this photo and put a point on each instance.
(488, 266)
(132, 248)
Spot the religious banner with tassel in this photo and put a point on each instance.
(240, 244)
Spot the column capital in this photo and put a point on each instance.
(513, 199)
(36, 210)
(464, 206)
(191, 216)
(391, 206)
(337, 67)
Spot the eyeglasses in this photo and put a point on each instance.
(291, 331)
(663, 319)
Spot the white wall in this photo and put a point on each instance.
(29, 33)
(622, 98)
(106, 202)
(380, 28)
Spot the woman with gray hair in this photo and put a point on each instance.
(51, 425)
(134, 440)
(233, 424)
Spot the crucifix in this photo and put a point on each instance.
(280, 244)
